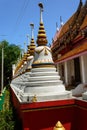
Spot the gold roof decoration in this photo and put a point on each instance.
(30, 50)
(21, 62)
(71, 23)
(24, 57)
(58, 126)
(72, 31)
(41, 38)
(32, 45)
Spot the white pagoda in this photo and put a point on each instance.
(44, 82)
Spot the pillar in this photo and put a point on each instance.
(83, 63)
(66, 72)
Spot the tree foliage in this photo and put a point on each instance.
(6, 120)
(11, 54)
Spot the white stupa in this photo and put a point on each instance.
(44, 82)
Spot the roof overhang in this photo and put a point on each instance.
(76, 52)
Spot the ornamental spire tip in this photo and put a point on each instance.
(40, 5)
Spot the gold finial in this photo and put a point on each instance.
(41, 38)
(32, 44)
(34, 99)
(58, 126)
(28, 39)
(32, 29)
(61, 22)
(41, 10)
(24, 47)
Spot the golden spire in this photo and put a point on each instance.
(58, 126)
(28, 41)
(41, 38)
(25, 57)
(32, 46)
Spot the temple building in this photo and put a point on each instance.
(69, 48)
(39, 96)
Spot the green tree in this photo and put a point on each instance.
(11, 54)
(6, 120)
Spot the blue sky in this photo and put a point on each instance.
(16, 16)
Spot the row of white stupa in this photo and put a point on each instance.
(35, 78)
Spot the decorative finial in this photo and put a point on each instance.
(41, 10)
(61, 22)
(59, 126)
(24, 47)
(57, 26)
(32, 45)
(28, 38)
(81, 1)
(22, 52)
(32, 29)
(41, 38)
(34, 99)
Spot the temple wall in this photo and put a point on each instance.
(72, 113)
(46, 118)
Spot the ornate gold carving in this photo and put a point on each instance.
(44, 48)
(59, 126)
(39, 51)
(34, 99)
(51, 108)
(46, 53)
(44, 66)
(42, 61)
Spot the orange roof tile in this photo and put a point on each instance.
(84, 24)
(65, 27)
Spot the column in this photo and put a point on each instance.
(66, 72)
(83, 69)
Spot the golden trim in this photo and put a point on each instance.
(43, 66)
(43, 61)
(28, 70)
(48, 108)
(81, 107)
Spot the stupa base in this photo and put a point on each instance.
(42, 97)
(84, 96)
